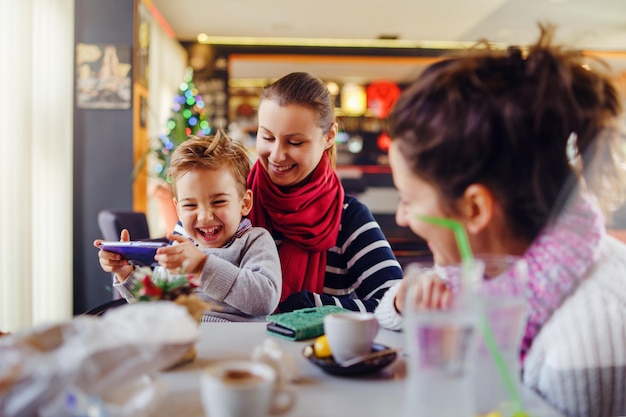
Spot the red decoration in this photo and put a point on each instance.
(149, 288)
(245, 110)
(381, 96)
(383, 142)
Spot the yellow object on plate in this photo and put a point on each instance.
(321, 348)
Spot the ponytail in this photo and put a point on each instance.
(507, 119)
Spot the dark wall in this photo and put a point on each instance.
(103, 152)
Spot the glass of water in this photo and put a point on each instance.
(441, 343)
(502, 297)
(453, 370)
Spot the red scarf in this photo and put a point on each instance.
(308, 219)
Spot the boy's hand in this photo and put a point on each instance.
(185, 257)
(113, 262)
(430, 293)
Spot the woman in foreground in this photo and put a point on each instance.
(524, 149)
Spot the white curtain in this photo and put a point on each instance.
(164, 83)
(36, 108)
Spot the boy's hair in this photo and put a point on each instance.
(307, 90)
(210, 152)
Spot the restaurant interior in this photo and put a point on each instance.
(95, 94)
(228, 50)
(230, 66)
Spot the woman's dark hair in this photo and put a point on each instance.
(505, 118)
(304, 89)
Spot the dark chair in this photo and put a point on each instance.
(103, 308)
(111, 223)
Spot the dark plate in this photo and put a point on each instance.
(369, 366)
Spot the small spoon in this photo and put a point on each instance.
(367, 357)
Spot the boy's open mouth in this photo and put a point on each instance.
(209, 232)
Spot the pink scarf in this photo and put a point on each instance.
(558, 260)
(307, 218)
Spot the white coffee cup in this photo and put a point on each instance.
(350, 334)
(243, 389)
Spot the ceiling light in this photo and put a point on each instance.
(333, 88)
(337, 43)
(353, 99)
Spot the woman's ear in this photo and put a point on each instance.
(477, 207)
(330, 137)
(246, 202)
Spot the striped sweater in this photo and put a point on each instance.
(359, 268)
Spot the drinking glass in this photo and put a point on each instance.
(441, 344)
(470, 350)
(501, 295)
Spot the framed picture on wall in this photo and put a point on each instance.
(103, 76)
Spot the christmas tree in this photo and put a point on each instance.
(188, 118)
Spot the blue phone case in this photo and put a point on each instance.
(137, 252)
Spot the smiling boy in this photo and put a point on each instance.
(237, 264)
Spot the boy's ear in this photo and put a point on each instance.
(176, 205)
(246, 203)
(477, 207)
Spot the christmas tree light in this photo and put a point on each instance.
(188, 118)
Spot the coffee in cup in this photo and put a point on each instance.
(240, 376)
(242, 389)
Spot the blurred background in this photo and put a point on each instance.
(367, 55)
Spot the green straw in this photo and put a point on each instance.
(468, 259)
(459, 233)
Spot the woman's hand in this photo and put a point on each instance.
(113, 262)
(185, 257)
(429, 292)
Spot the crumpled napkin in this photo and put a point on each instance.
(43, 369)
(283, 362)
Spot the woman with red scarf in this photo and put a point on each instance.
(331, 249)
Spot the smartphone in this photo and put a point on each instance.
(281, 330)
(137, 252)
